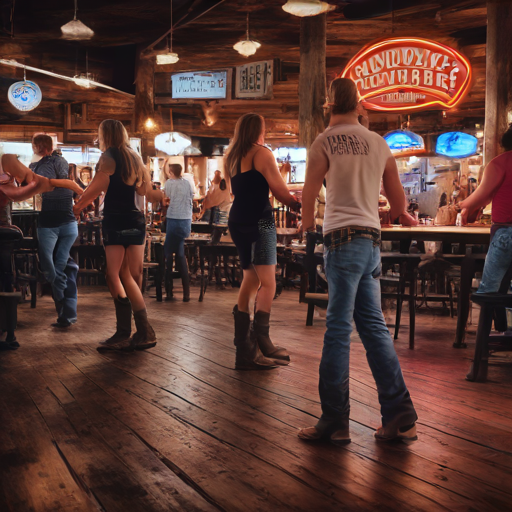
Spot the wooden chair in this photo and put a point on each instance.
(490, 305)
(91, 263)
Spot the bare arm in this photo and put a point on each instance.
(265, 162)
(15, 193)
(393, 189)
(106, 167)
(146, 189)
(317, 168)
(491, 181)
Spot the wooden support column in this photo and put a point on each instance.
(312, 78)
(498, 80)
(144, 105)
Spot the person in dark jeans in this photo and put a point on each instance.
(179, 223)
(57, 230)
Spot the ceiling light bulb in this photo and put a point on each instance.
(149, 124)
(167, 58)
(307, 7)
(75, 30)
(247, 47)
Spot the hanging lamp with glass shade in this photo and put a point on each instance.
(307, 7)
(173, 143)
(75, 30)
(86, 80)
(169, 57)
(247, 47)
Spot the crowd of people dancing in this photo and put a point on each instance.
(352, 162)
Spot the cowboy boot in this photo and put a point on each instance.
(145, 336)
(260, 332)
(181, 263)
(168, 279)
(123, 332)
(248, 355)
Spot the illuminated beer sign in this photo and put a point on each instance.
(408, 73)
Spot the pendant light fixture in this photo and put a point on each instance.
(86, 80)
(247, 47)
(307, 7)
(173, 143)
(169, 57)
(75, 30)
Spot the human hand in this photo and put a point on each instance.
(166, 201)
(77, 210)
(76, 188)
(295, 206)
(407, 219)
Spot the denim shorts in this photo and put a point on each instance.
(256, 246)
(117, 230)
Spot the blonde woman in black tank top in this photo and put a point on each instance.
(252, 170)
(121, 174)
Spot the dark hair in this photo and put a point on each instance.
(506, 139)
(343, 96)
(176, 169)
(222, 184)
(247, 132)
(43, 143)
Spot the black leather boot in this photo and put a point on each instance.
(248, 355)
(181, 263)
(168, 279)
(260, 332)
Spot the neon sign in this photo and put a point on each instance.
(400, 141)
(408, 73)
(456, 144)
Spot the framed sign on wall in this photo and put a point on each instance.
(207, 85)
(255, 80)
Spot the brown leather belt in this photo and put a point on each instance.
(344, 235)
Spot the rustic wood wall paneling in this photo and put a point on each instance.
(312, 78)
(498, 96)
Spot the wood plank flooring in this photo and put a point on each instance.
(176, 428)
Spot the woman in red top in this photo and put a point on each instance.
(496, 186)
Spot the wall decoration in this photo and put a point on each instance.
(200, 85)
(456, 144)
(404, 141)
(25, 95)
(255, 80)
(408, 73)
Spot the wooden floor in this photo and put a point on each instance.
(176, 428)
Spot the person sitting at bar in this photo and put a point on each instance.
(208, 212)
(253, 172)
(178, 227)
(353, 161)
(122, 174)
(495, 187)
(218, 202)
(57, 230)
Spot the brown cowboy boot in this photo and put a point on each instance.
(123, 322)
(145, 336)
(248, 355)
(260, 332)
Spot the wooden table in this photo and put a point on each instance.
(449, 234)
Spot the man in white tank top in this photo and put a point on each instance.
(353, 161)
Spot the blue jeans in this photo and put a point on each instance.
(54, 246)
(497, 261)
(352, 272)
(176, 232)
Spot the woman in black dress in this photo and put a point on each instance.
(253, 172)
(121, 173)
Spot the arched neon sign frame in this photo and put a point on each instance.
(409, 73)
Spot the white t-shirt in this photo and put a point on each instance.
(356, 158)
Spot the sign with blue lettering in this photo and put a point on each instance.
(208, 85)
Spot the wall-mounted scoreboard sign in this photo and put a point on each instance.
(407, 73)
(200, 85)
